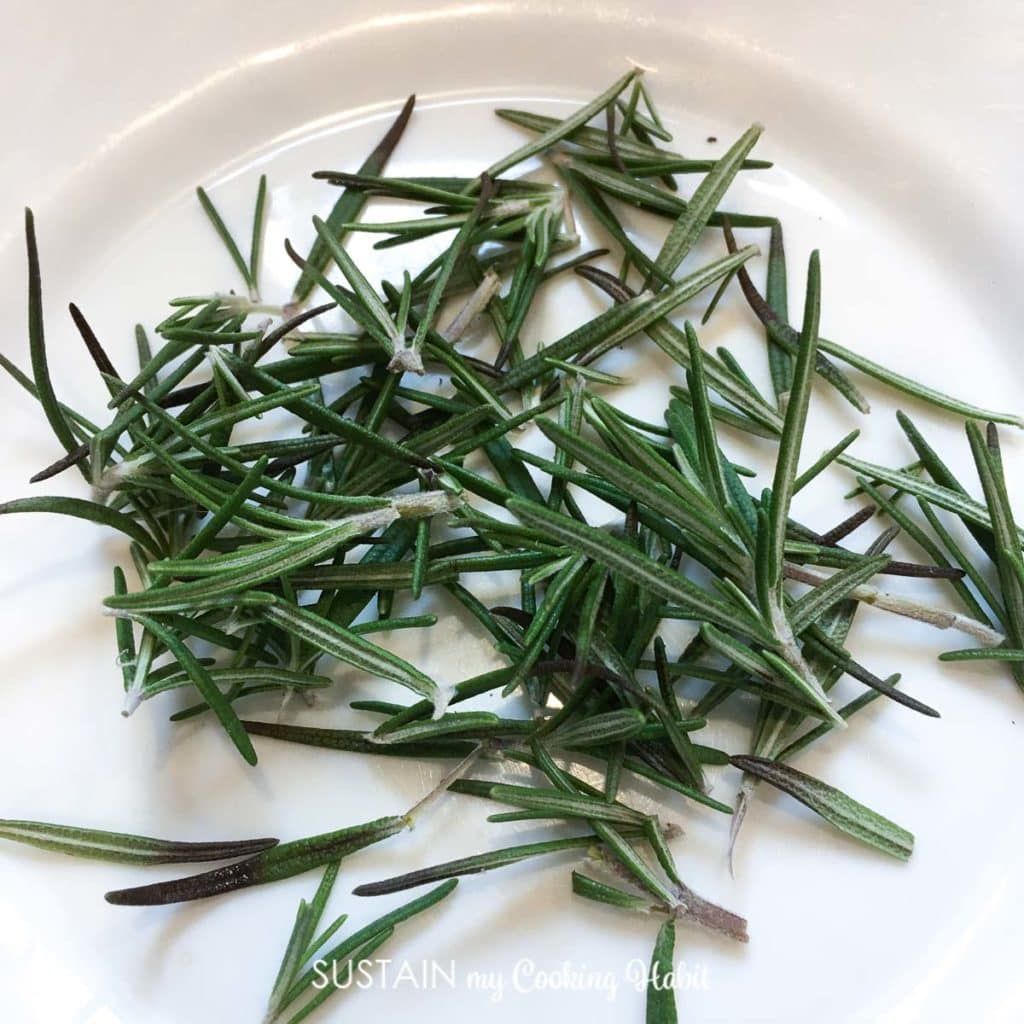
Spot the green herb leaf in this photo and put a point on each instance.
(52, 409)
(349, 204)
(122, 848)
(661, 996)
(704, 202)
(834, 806)
(621, 557)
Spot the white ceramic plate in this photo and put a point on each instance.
(894, 138)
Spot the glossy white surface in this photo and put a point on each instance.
(896, 138)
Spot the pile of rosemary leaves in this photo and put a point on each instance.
(254, 563)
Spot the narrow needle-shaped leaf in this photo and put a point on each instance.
(474, 865)
(769, 665)
(80, 508)
(272, 865)
(620, 322)
(599, 730)
(622, 557)
(256, 245)
(357, 945)
(668, 715)
(239, 572)
(617, 845)
(780, 362)
(205, 684)
(600, 892)
(983, 654)
(551, 803)
(942, 497)
(126, 652)
(826, 459)
(661, 996)
(348, 205)
(838, 587)
(123, 848)
(785, 336)
(686, 230)
(833, 805)
(225, 236)
(377, 319)
(52, 409)
(407, 357)
(989, 463)
(796, 417)
(561, 130)
(360, 742)
(944, 477)
(349, 647)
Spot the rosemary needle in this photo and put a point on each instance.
(259, 560)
